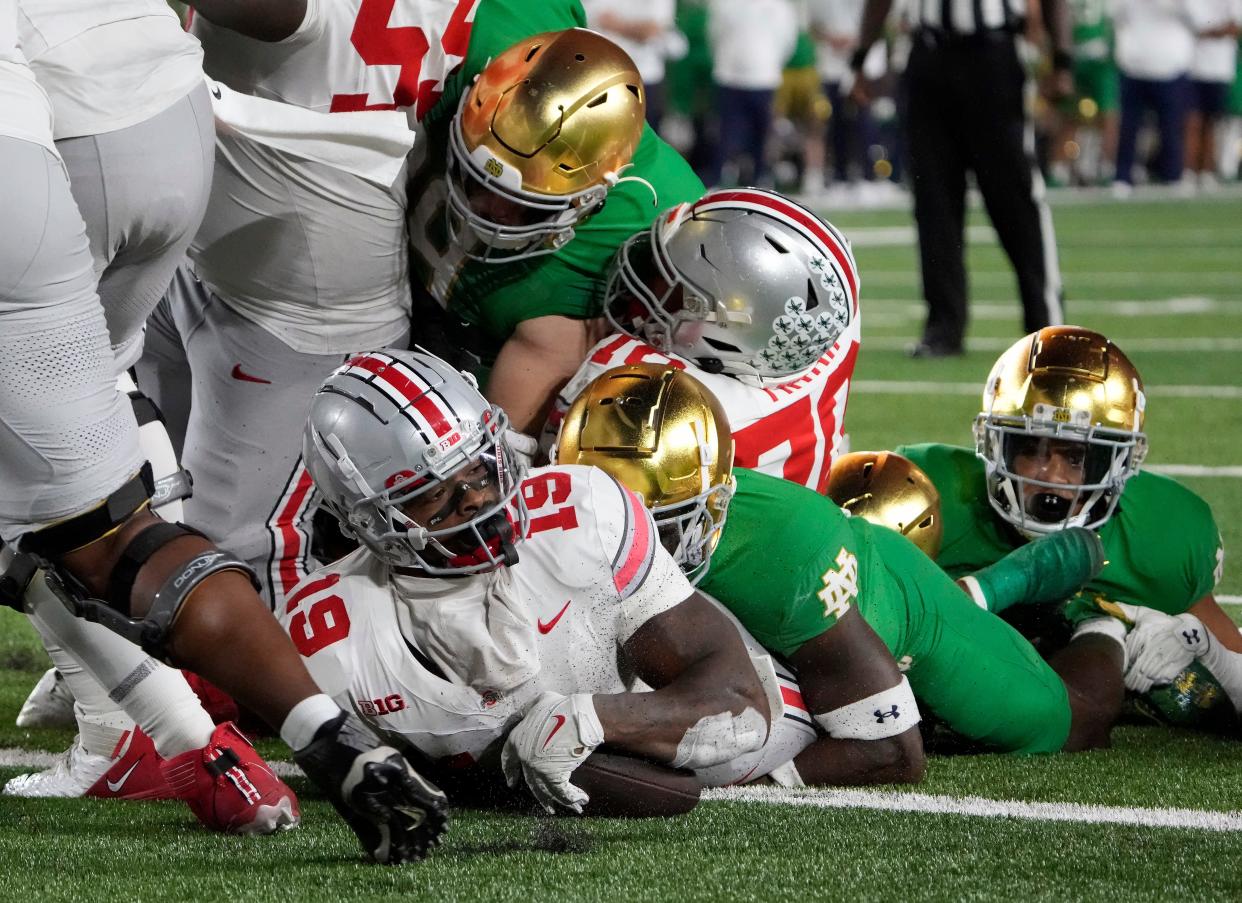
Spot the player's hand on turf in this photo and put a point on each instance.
(1159, 649)
(555, 737)
(397, 815)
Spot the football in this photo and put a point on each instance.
(628, 787)
(1195, 699)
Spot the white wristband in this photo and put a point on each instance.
(884, 714)
(1226, 667)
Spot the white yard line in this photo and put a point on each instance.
(1195, 470)
(885, 801)
(1109, 278)
(997, 343)
(1126, 307)
(888, 801)
(15, 757)
(911, 387)
(1229, 600)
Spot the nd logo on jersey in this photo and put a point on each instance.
(840, 585)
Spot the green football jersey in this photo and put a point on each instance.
(790, 564)
(788, 584)
(491, 299)
(1092, 29)
(1162, 545)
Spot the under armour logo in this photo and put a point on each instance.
(881, 715)
(1191, 636)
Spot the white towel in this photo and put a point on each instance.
(370, 144)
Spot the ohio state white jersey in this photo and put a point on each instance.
(349, 55)
(318, 257)
(25, 111)
(446, 665)
(108, 65)
(794, 429)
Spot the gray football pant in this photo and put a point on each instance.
(238, 420)
(68, 439)
(142, 191)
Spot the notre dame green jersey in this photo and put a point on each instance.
(492, 298)
(1161, 544)
(790, 564)
(1092, 29)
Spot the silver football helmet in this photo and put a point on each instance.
(387, 427)
(742, 281)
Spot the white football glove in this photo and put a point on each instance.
(1160, 648)
(554, 738)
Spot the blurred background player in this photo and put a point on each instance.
(1059, 444)
(758, 297)
(74, 512)
(1155, 46)
(487, 601)
(967, 111)
(853, 609)
(851, 129)
(750, 41)
(1084, 147)
(509, 240)
(1211, 75)
(647, 31)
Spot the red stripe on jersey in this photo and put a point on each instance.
(793, 698)
(290, 536)
(416, 395)
(640, 543)
(310, 589)
(798, 215)
(605, 352)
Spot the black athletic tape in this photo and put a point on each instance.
(15, 579)
(136, 554)
(222, 763)
(54, 542)
(145, 410)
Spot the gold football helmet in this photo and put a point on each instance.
(663, 434)
(1063, 384)
(537, 142)
(892, 491)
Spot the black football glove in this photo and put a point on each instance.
(396, 814)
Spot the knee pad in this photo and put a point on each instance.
(151, 631)
(47, 547)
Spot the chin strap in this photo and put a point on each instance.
(613, 179)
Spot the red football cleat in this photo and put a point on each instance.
(134, 773)
(131, 772)
(230, 788)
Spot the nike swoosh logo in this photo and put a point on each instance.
(560, 723)
(547, 628)
(115, 786)
(247, 378)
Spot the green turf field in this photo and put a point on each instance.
(1156, 818)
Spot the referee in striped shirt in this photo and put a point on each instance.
(967, 110)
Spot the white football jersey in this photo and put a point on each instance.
(349, 55)
(447, 664)
(792, 430)
(315, 256)
(25, 111)
(108, 65)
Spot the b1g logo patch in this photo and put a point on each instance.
(384, 706)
